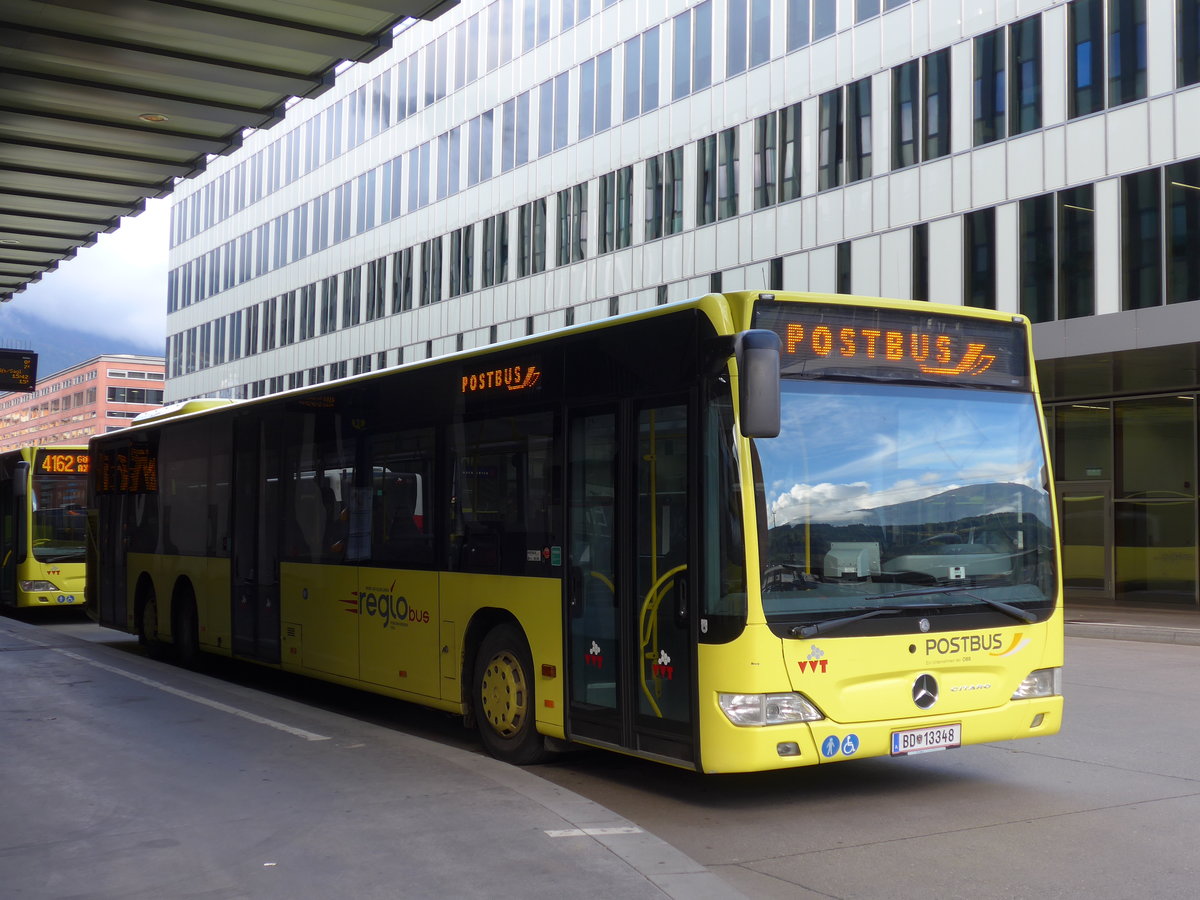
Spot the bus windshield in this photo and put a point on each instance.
(881, 498)
(59, 518)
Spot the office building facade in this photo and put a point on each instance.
(522, 165)
(99, 395)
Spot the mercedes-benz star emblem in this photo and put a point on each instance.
(923, 624)
(925, 691)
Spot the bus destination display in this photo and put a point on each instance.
(872, 342)
(62, 462)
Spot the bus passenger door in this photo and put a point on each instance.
(255, 530)
(628, 590)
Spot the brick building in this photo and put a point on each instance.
(99, 395)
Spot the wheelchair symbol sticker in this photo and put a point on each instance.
(850, 745)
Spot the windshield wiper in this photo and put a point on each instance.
(816, 628)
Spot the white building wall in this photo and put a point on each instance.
(874, 215)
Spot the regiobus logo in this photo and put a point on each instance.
(386, 605)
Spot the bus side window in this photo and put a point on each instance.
(401, 506)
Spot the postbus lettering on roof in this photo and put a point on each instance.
(934, 354)
(502, 378)
(853, 341)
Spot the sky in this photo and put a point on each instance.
(111, 297)
(845, 450)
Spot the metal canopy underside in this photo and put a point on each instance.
(104, 103)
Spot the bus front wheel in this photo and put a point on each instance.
(504, 697)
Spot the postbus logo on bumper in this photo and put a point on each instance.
(384, 604)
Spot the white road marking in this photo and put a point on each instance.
(196, 698)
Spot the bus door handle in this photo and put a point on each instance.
(681, 599)
(575, 591)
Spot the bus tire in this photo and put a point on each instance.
(504, 697)
(147, 626)
(186, 628)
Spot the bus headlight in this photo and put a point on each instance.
(768, 709)
(33, 586)
(1042, 683)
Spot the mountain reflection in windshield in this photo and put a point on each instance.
(872, 487)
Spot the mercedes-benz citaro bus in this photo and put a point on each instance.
(43, 518)
(741, 532)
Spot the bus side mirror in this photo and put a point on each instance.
(757, 354)
(21, 480)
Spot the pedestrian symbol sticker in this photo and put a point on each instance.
(830, 746)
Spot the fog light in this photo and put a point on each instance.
(787, 748)
(1037, 720)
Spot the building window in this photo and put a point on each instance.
(664, 194)
(830, 147)
(1183, 237)
(748, 35)
(431, 271)
(979, 270)
(727, 173)
(920, 261)
(595, 95)
(308, 311)
(1076, 246)
(1141, 239)
(789, 153)
(495, 250)
(691, 67)
(287, 319)
(989, 87)
(906, 86)
(531, 238)
(572, 224)
(845, 269)
(402, 280)
(1126, 51)
(1008, 81)
(615, 205)
(329, 304)
(1025, 75)
(351, 297)
(858, 125)
(935, 133)
(462, 260)
(1126, 54)
(376, 281)
(706, 180)
(766, 167)
(1188, 38)
(1036, 257)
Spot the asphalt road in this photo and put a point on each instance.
(1110, 807)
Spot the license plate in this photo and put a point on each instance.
(924, 740)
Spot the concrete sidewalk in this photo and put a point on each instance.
(1161, 626)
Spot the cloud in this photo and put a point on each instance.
(115, 288)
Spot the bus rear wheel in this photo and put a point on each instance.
(147, 628)
(504, 697)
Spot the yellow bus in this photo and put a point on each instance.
(742, 532)
(43, 525)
